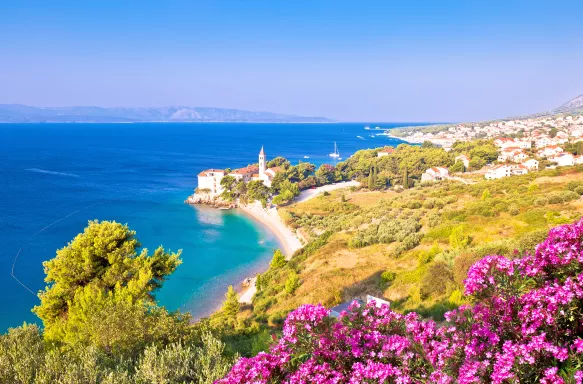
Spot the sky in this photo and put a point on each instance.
(384, 61)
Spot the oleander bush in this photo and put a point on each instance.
(524, 325)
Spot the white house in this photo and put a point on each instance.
(578, 159)
(385, 151)
(498, 171)
(504, 170)
(518, 169)
(564, 159)
(531, 164)
(544, 141)
(519, 157)
(549, 151)
(562, 137)
(211, 180)
(512, 154)
(504, 142)
(435, 174)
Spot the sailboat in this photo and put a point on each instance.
(335, 154)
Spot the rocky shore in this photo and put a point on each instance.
(214, 201)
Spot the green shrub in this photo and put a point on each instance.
(427, 257)
(388, 276)
(500, 247)
(568, 196)
(433, 220)
(440, 232)
(513, 210)
(436, 280)
(458, 238)
(413, 205)
(579, 190)
(573, 185)
(292, 283)
(450, 199)
(429, 204)
(555, 198)
(541, 201)
(532, 188)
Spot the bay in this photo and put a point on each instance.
(56, 177)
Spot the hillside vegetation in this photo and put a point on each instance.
(413, 248)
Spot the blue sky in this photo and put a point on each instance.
(356, 61)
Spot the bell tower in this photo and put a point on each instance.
(262, 161)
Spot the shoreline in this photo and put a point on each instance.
(269, 218)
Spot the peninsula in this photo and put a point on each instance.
(17, 113)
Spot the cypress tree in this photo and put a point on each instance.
(406, 178)
(371, 179)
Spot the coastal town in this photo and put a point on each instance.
(523, 143)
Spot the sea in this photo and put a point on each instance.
(54, 178)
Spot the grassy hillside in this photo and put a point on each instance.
(413, 247)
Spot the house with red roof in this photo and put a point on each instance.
(385, 151)
(435, 174)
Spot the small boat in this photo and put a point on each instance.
(366, 127)
(335, 154)
(306, 157)
(360, 137)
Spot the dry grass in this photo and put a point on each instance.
(337, 273)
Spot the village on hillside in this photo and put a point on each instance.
(523, 144)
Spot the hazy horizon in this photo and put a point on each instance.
(378, 61)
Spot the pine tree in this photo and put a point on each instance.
(278, 260)
(231, 305)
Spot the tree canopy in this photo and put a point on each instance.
(101, 290)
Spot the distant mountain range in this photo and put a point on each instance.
(572, 106)
(16, 113)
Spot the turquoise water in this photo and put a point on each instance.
(56, 177)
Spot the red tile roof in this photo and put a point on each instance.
(246, 170)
